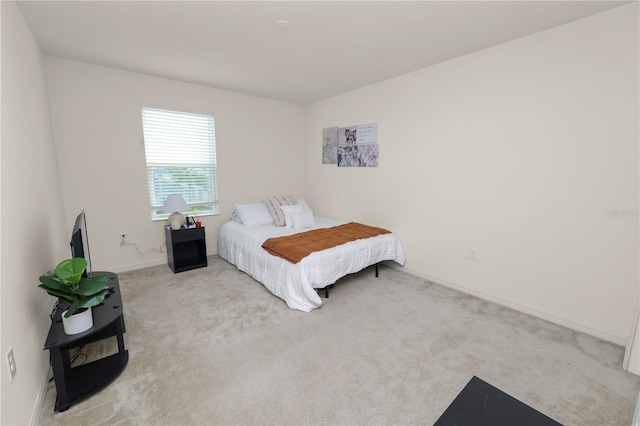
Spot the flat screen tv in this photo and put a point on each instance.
(80, 242)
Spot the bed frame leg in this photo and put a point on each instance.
(326, 290)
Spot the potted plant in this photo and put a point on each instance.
(67, 283)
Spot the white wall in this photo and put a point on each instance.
(520, 150)
(98, 136)
(33, 227)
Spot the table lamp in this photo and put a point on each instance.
(175, 203)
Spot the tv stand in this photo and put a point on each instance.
(76, 383)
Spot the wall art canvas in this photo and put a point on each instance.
(367, 133)
(330, 145)
(358, 155)
(347, 135)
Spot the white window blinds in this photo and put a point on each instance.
(180, 149)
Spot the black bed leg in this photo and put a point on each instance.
(326, 291)
(376, 270)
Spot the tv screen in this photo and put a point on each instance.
(80, 242)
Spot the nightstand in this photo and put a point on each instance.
(186, 248)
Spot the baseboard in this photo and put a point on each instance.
(149, 264)
(629, 347)
(136, 266)
(39, 404)
(611, 338)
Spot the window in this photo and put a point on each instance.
(180, 149)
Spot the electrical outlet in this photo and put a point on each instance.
(11, 363)
(473, 253)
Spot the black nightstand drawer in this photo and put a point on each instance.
(187, 234)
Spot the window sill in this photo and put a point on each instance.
(158, 219)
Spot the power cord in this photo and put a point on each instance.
(124, 242)
(79, 354)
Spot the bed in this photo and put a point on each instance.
(297, 283)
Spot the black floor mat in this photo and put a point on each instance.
(480, 404)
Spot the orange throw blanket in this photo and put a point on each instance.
(296, 247)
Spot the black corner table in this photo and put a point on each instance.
(76, 383)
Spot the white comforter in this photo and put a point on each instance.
(295, 283)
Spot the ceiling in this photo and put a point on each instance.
(330, 47)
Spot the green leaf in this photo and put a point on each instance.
(70, 270)
(60, 294)
(73, 308)
(52, 282)
(91, 286)
(92, 301)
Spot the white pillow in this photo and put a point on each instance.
(303, 220)
(288, 211)
(253, 214)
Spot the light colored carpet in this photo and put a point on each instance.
(212, 346)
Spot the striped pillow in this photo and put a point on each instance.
(274, 202)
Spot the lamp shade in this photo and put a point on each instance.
(175, 203)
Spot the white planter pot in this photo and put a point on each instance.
(77, 323)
